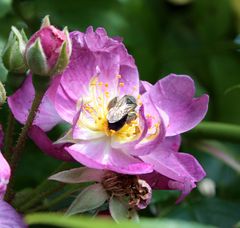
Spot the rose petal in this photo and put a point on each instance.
(47, 146)
(20, 103)
(160, 182)
(1, 137)
(5, 173)
(96, 54)
(174, 165)
(99, 155)
(174, 95)
(9, 217)
(145, 86)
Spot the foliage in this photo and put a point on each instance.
(199, 38)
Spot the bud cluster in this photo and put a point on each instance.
(46, 53)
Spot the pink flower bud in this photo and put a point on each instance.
(51, 40)
(48, 50)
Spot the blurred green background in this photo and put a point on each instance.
(195, 37)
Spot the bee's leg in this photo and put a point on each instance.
(112, 103)
(131, 116)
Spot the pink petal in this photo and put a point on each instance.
(174, 165)
(152, 117)
(65, 106)
(96, 54)
(98, 154)
(20, 103)
(174, 95)
(1, 137)
(5, 173)
(145, 86)
(84, 133)
(46, 145)
(9, 217)
(160, 182)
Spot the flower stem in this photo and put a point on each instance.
(9, 136)
(53, 187)
(46, 188)
(14, 81)
(56, 200)
(17, 151)
(215, 130)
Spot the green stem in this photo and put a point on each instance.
(54, 187)
(56, 200)
(14, 81)
(17, 152)
(46, 188)
(9, 136)
(215, 130)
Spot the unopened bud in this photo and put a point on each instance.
(48, 50)
(3, 96)
(13, 52)
(207, 187)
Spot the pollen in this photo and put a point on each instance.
(100, 83)
(148, 116)
(93, 83)
(121, 84)
(106, 84)
(118, 76)
(112, 131)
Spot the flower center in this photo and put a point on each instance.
(128, 187)
(115, 116)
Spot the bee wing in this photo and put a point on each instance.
(117, 113)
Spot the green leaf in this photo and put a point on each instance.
(90, 198)
(59, 220)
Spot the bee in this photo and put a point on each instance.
(121, 111)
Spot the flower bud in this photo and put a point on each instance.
(48, 50)
(207, 187)
(3, 96)
(13, 52)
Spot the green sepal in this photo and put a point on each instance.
(45, 22)
(62, 61)
(90, 198)
(36, 59)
